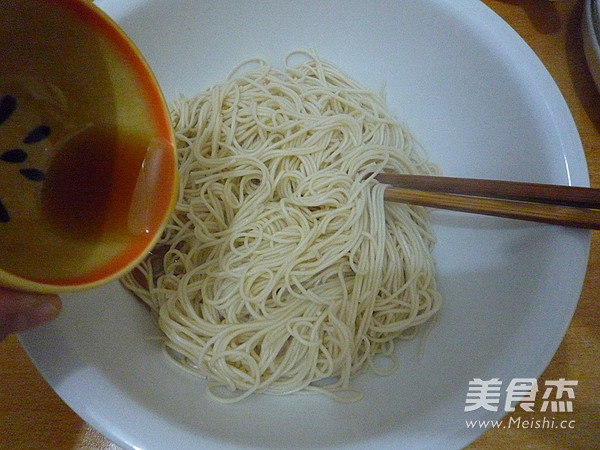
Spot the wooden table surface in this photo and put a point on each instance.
(32, 416)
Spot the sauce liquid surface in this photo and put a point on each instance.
(89, 185)
(85, 200)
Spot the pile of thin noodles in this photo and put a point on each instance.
(283, 269)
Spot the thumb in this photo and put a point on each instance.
(20, 311)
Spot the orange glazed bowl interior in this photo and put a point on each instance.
(88, 171)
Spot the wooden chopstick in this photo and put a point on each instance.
(547, 203)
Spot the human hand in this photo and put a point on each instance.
(20, 311)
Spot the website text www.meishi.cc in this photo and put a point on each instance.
(520, 422)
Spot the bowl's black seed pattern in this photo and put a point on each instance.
(37, 134)
(4, 217)
(8, 104)
(14, 156)
(32, 174)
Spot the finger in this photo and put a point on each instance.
(20, 311)
(12, 301)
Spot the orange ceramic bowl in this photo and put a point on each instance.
(88, 175)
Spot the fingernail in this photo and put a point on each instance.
(37, 314)
(43, 312)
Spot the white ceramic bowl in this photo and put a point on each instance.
(484, 105)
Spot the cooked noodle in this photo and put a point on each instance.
(283, 269)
